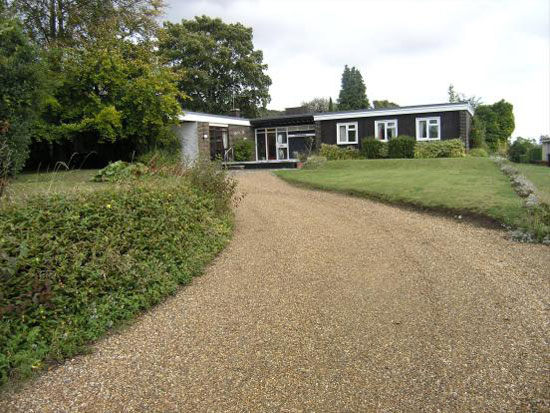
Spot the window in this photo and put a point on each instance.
(428, 129)
(385, 130)
(346, 133)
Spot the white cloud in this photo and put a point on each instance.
(407, 51)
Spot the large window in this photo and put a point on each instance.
(428, 129)
(346, 133)
(385, 130)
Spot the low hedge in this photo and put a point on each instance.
(373, 148)
(401, 147)
(452, 148)
(72, 267)
(337, 153)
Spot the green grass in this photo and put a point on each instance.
(463, 185)
(50, 183)
(540, 176)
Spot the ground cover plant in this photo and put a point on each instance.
(73, 265)
(460, 185)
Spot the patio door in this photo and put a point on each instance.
(282, 144)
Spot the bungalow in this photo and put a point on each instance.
(279, 139)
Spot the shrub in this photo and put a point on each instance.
(120, 170)
(72, 267)
(373, 148)
(452, 148)
(478, 152)
(335, 153)
(535, 154)
(401, 147)
(478, 134)
(519, 147)
(244, 150)
(160, 158)
(314, 162)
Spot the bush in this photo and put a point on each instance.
(120, 170)
(244, 150)
(336, 153)
(314, 162)
(373, 148)
(72, 267)
(401, 147)
(478, 153)
(535, 154)
(519, 147)
(452, 148)
(478, 134)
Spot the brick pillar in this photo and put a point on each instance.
(317, 136)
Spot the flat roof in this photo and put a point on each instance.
(189, 116)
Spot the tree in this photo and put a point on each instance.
(73, 22)
(330, 105)
(353, 93)
(499, 123)
(21, 83)
(220, 67)
(380, 104)
(478, 133)
(457, 97)
(519, 148)
(317, 105)
(109, 92)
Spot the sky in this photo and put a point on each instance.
(407, 51)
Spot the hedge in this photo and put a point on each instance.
(336, 153)
(452, 148)
(373, 148)
(72, 267)
(401, 147)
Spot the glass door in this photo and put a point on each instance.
(282, 144)
(271, 145)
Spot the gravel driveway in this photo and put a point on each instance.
(329, 303)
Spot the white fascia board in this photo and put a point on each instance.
(224, 120)
(392, 112)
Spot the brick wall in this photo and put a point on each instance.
(464, 127)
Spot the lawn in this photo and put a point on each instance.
(49, 183)
(540, 176)
(462, 185)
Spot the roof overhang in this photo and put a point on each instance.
(218, 120)
(409, 110)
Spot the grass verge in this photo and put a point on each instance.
(472, 186)
(539, 175)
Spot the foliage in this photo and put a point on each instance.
(373, 148)
(120, 171)
(331, 107)
(478, 153)
(314, 162)
(220, 67)
(498, 119)
(317, 105)
(73, 267)
(520, 147)
(353, 93)
(478, 134)
(457, 97)
(452, 148)
(244, 150)
(77, 22)
(5, 166)
(381, 104)
(210, 178)
(21, 86)
(109, 92)
(335, 152)
(535, 154)
(160, 158)
(401, 147)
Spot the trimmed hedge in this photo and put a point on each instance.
(401, 147)
(72, 267)
(373, 148)
(337, 153)
(452, 148)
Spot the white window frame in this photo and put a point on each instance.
(385, 123)
(428, 138)
(339, 140)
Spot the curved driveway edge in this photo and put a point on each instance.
(329, 303)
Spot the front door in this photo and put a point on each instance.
(218, 142)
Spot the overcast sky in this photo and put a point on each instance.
(407, 51)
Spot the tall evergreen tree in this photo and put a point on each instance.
(353, 92)
(330, 105)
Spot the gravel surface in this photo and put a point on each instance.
(329, 303)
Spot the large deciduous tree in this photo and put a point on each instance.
(381, 104)
(353, 92)
(457, 97)
(498, 121)
(21, 86)
(317, 105)
(220, 67)
(72, 22)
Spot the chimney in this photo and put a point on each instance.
(235, 112)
